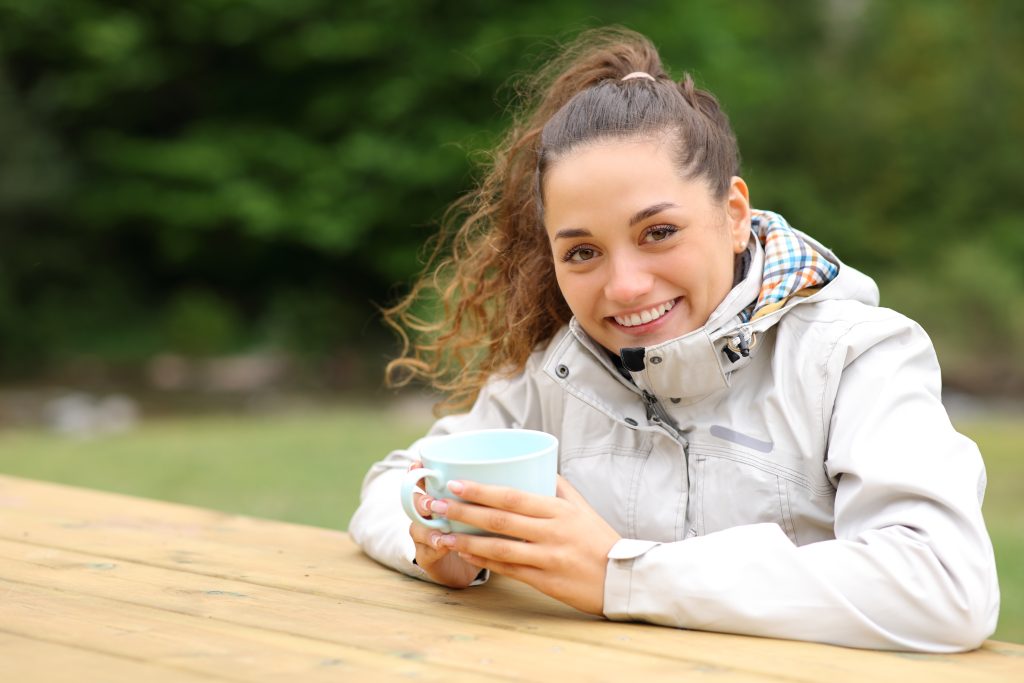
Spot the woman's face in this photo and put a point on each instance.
(641, 255)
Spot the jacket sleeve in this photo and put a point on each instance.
(379, 526)
(911, 566)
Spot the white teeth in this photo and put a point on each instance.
(634, 319)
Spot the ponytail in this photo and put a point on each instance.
(491, 267)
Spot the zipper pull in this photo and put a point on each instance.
(650, 403)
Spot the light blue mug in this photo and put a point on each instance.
(519, 458)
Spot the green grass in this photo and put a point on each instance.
(304, 468)
(308, 467)
(1000, 441)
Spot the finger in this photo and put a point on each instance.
(520, 572)
(500, 551)
(424, 535)
(504, 498)
(422, 504)
(427, 541)
(489, 519)
(420, 501)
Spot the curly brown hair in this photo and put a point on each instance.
(491, 268)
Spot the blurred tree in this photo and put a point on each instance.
(282, 163)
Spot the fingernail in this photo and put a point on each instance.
(447, 540)
(435, 539)
(425, 504)
(439, 506)
(456, 487)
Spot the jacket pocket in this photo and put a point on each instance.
(741, 484)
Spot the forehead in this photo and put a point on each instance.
(616, 177)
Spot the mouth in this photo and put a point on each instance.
(640, 320)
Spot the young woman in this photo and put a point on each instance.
(748, 443)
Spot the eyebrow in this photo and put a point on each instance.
(651, 210)
(641, 215)
(572, 232)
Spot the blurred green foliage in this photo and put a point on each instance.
(219, 175)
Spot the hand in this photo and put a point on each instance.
(436, 560)
(564, 546)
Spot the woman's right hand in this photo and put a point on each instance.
(439, 562)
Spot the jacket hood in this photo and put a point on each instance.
(700, 362)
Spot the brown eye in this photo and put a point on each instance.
(580, 254)
(659, 233)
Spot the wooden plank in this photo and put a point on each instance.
(156, 612)
(323, 563)
(121, 531)
(205, 647)
(26, 659)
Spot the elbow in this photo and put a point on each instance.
(946, 601)
(975, 601)
(965, 634)
(979, 619)
(943, 634)
(968, 618)
(356, 530)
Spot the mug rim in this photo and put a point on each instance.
(552, 440)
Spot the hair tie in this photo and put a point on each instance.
(639, 74)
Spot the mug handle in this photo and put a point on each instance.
(412, 477)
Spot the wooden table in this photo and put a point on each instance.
(103, 587)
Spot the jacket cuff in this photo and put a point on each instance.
(619, 576)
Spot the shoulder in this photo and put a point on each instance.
(847, 329)
(528, 397)
(869, 350)
(539, 364)
(841, 314)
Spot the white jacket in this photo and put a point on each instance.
(813, 490)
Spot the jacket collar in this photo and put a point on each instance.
(695, 365)
(684, 369)
(690, 367)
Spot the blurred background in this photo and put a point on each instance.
(203, 203)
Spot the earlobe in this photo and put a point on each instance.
(738, 208)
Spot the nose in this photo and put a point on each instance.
(628, 279)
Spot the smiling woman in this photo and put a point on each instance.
(747, 441)
(638, 277)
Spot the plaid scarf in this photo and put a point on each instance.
(792, 267)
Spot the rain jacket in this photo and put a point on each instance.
(794, 475)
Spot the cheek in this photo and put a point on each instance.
(564, 285)
(575, 290)
(560, 280)
(721, 273)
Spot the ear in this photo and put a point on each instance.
(737, 210)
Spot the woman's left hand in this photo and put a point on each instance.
(564, 546)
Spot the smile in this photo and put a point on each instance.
(644, 317)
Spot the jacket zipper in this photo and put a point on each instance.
(657, 413)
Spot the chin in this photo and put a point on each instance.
(664, 336)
